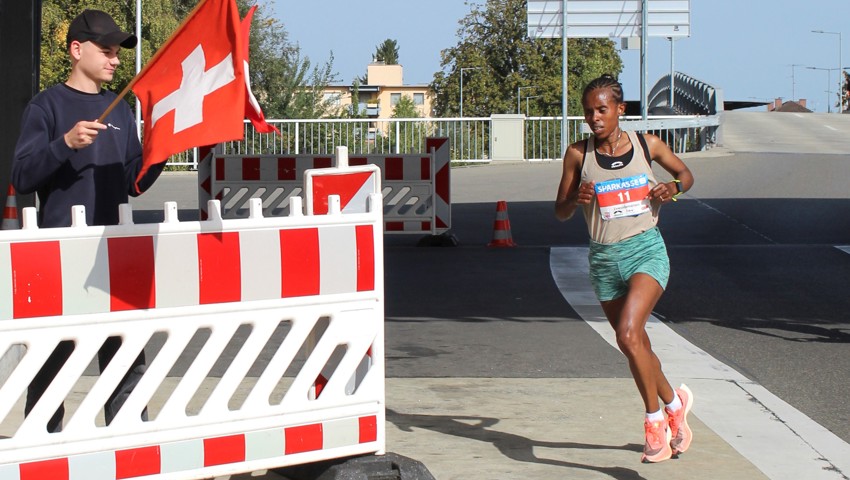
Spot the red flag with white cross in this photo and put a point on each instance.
(193, 91)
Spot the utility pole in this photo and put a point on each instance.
(793, 82)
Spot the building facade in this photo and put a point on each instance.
(377, 98)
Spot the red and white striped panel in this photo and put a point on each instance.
(108, 274)
(353, 186)
(397, 168)
(230, 168)
(438, 147)
(199, 454)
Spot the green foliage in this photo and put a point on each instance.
(493, 38)
(285, 83)
(387, 52)
(405, 108)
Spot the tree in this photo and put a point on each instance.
(405, 108)
(407, 135)
(285, 83)
(387, 52)
(493, 38)
(845, 91)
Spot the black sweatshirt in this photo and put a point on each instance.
(100, 176)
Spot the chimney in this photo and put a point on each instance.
(777, 104)
(802, 102)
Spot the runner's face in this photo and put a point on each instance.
(602, 112)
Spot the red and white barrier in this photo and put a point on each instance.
(416, 188)
(222, 308)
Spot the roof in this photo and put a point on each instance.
(794, 107)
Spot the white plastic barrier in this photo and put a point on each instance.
(416, 188)
(239, 320)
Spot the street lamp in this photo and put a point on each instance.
(518, 97)
(526, 102)
(839, 63)
(461, 86)
(828, 81)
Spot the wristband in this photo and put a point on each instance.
(678, 189)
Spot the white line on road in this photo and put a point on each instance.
(777, 438)
(831, 128)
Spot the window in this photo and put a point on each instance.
(331, 99)
(419, 99)
(395, 98)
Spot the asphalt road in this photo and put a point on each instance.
(757, 279)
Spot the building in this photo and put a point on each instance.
(790, 106)
(383, 89)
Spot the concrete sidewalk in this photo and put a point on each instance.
(503, 428)
(547, 428)
(487, 428)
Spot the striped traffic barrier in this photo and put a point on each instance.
(163, 288)
(416, 187)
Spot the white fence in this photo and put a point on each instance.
(469, 137)
(263, 336)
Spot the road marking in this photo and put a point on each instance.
(831, 128)
(844, 248)
(777, 438)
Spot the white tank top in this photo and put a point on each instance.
(620, 209)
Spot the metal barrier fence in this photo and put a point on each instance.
(264, 342)
(469, 137)
(416, 187)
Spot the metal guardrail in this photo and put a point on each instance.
(691, 96)
(469, 138)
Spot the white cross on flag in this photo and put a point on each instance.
(193, 91)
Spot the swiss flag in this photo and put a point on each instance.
(193, 90)
(253, 111)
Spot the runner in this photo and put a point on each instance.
(610, 176)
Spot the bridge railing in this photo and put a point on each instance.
(691, 96)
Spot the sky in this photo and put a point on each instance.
(744, 47)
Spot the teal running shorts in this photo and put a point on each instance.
(612, 265)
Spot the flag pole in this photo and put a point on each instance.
(150, 62)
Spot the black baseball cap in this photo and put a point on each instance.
(100, 28)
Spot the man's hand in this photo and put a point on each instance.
(83, 134)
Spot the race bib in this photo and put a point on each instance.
(623, 197)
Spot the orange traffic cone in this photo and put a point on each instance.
(502, 227)
(10, 213)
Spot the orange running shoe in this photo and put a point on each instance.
(657, 447)
(678, 420)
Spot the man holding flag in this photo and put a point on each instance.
(68, 158)
(193, 93)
